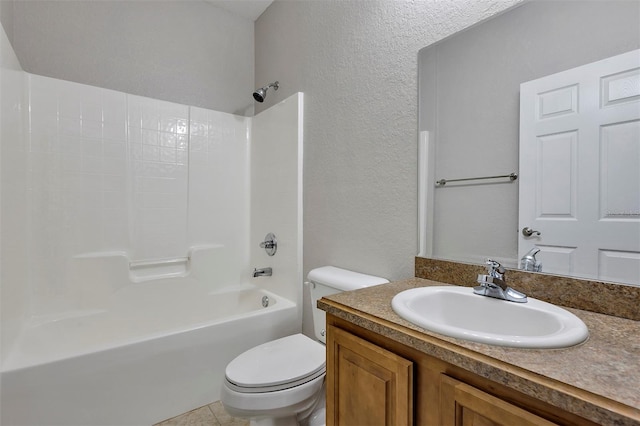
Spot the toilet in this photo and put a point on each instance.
(281, 382)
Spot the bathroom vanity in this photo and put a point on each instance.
(382, 369)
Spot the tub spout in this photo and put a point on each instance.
(262, 272)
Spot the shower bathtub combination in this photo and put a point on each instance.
(103, 322)
(144, 350)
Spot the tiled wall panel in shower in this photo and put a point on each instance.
(77, 176)
(107, 171)
(158, 144)
(218, 186)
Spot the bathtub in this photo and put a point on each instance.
(158, 348)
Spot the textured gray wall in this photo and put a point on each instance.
(469, 100)
(188, 52)
(356, 62)
(6, 17)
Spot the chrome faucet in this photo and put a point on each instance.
(529, 261)
(262, 272)
(493, 284)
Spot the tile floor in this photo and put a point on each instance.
(213, 414)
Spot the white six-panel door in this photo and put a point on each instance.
(580, 170)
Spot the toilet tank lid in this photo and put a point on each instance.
(342, 279)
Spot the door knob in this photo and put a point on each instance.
(527, 232)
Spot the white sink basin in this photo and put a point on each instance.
(458, 312)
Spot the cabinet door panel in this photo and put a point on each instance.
(464, 405)
(366, 385)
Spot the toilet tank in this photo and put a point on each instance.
(330, 280)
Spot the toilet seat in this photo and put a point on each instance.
(277, 365)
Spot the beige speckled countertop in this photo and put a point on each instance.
(598, 379)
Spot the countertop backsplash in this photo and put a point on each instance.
(618, 300)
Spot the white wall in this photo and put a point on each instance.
(188, 52)
(356, 62)
(14, 266)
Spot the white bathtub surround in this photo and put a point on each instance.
(276, 194)
(110, 272)
(127, 249)
(107, 171)
(111, 171)
(128, 312)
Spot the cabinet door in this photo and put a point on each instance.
(464, 405)
(366, 384)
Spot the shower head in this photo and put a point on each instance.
(261, 93)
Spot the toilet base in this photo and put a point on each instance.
(317, 418)
(269, 421)
(289, 407)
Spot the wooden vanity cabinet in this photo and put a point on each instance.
(372, 380)
(366, 384)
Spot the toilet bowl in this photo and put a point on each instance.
(281, 382)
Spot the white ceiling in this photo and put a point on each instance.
(249, 9)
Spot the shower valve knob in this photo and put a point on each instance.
(270, 244)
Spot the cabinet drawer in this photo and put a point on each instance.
(464, 405)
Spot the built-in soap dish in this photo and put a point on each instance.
(151, 269)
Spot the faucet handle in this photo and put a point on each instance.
(270, 244)
(494, 268)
